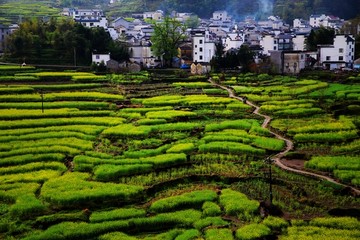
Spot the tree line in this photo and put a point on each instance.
(60, 41)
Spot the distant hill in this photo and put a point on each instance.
(287, 9)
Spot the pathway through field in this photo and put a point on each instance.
(289, 144)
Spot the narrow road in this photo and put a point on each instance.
(289, 144)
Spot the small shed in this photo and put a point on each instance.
(100, 57)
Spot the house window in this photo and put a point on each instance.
(341, 58)
(201, 49)
(274, 41)
(200, 57)
(97, 57)
(200, 41)
(195, 46)
(341, 50)
(274, 47)
(327, 58)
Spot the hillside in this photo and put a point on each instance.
(13, 10)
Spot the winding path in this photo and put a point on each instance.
(289, 144)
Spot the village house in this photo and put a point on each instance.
(140, 52)
(289, 62)
(233, 40)
(5, 31)
(281, 42)
(78, 13)
(87, 17)
(339, 55)
(121, 25)
(97, 58)
(157, 15)
(203, 46)
(93, 21)
(322, 20)
(299, 42)
(221, 15)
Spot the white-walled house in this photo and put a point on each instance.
(100, 57)
(203, 47)
(93, 21)
(317, 20)
(281, 42)
(233, 40)
(157, 15)
(142, 54)
(221, 15)
(340, 54)
(78, 13)
(326, 21)
(300, 23)
(299, 43)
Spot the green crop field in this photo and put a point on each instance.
(112, 157)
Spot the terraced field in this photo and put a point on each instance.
(91, 157)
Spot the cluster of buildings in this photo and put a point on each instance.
(285, 45)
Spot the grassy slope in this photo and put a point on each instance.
(287, 9)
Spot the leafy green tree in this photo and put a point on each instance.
(319, 36)
(166, 39)
(246, 57)
(60, 42)
(217, 61)
(193, 21)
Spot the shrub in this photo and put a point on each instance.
(190, 234)
(169, 114)
(78, 230)
(184, 218)
(211, 209)
(192, 199)
(35, 176)
(275, 223)
(218, 233)
(33, 167)
(117, 214)
(116, 236)
(230, 147)
(181, 148)
(108, 172)
(146, 152)
(210, 221)
(252, 232)
(327, 137)
(27, 206)
(48, 220)
(150, 121)
(127, 130)
(31, 123)
(72, 189)
(237, 204)
(235, 124)
(29, 158)
(336, 222)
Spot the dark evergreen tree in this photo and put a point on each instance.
(318, 37)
